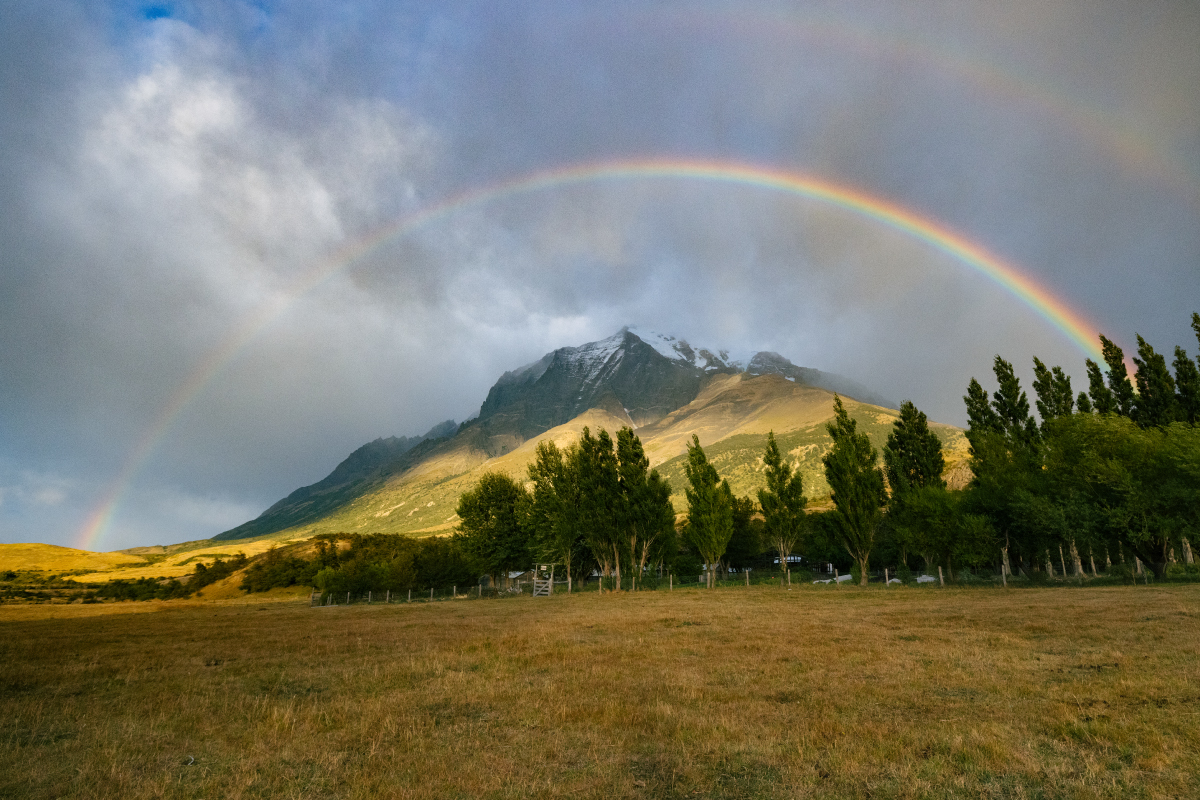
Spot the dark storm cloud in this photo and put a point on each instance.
(170, 170)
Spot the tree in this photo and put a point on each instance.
(1102, 397)
(710, 509)
(556, 512)
(749, 537)
(1155, 404)
(645, 513)
(782, 503)
(857, 485)
(1053, 390)
(913, 454)
(913, 462)
(1118, 377)
(1012, 406)
(600, 493)
(494, 527)
(1187, 387)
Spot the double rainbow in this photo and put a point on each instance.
(1066, 320)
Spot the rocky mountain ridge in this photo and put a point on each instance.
(639, 379)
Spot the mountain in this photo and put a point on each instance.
(365, 467)
(660, 385)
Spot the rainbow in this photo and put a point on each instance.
(1067, 321)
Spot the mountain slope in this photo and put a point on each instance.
(732, 415)
(658, 384)
(365, 467)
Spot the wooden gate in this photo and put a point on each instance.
(543, 580)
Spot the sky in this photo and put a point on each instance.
(240, 239)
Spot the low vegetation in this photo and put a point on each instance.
(759, 693)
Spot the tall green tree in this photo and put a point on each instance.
(913, 461)
(710, 509)
(913, 454)
(1155, 404)
(645, 516)
(1012, 406)
(782, 503)
(749, 538)
(1187, 387)
(1102, 397)
(494, 529)
(600, 505)
(1053, 389)
(1118, 377)
(857, 484)
(556, 514)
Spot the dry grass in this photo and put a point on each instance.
(819, 692)
(22, 557)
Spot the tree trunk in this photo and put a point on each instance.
(1076, 560)
(616, 568)
(862, 569)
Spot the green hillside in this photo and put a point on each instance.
(731, 415)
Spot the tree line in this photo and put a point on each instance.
(1108, 476)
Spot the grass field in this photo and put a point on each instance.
(738, 693)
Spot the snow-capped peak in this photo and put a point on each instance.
(708, 359)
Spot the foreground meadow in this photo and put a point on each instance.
(740, 693)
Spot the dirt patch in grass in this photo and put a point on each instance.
(737, 693)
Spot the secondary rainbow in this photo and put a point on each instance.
(1066, 320)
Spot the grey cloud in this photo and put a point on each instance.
(168, 181)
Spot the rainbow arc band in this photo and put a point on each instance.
(1071, 323)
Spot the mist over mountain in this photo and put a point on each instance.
(635, 378)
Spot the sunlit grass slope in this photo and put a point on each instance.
(735, 693)
(732, 416)
(52, 558)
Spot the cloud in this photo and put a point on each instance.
(167, 178)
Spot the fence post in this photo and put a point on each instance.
(836, 582)
(670, 582)
(747, 572)
(431, 594)
(410, 595)
(369, 593)
(347, 598)
(885, 577)
(454, 590)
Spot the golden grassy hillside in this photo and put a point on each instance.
(731, 415)
(52, 558)
(734, 693)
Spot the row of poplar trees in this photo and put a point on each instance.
(1106, 476)
(1109, 475)
(596, 504)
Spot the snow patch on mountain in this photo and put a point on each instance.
(709, 359)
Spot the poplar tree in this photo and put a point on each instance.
(494, 529)
(782, 503)
(646, 516)
(1187, 387)
(857, 485)
(710, 509)
(1102, 397)
(1118, 377)
(556, 516)
(1053, 389)
(912, 457)
(1012, 405)
(1155, 404)
(599, 488)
